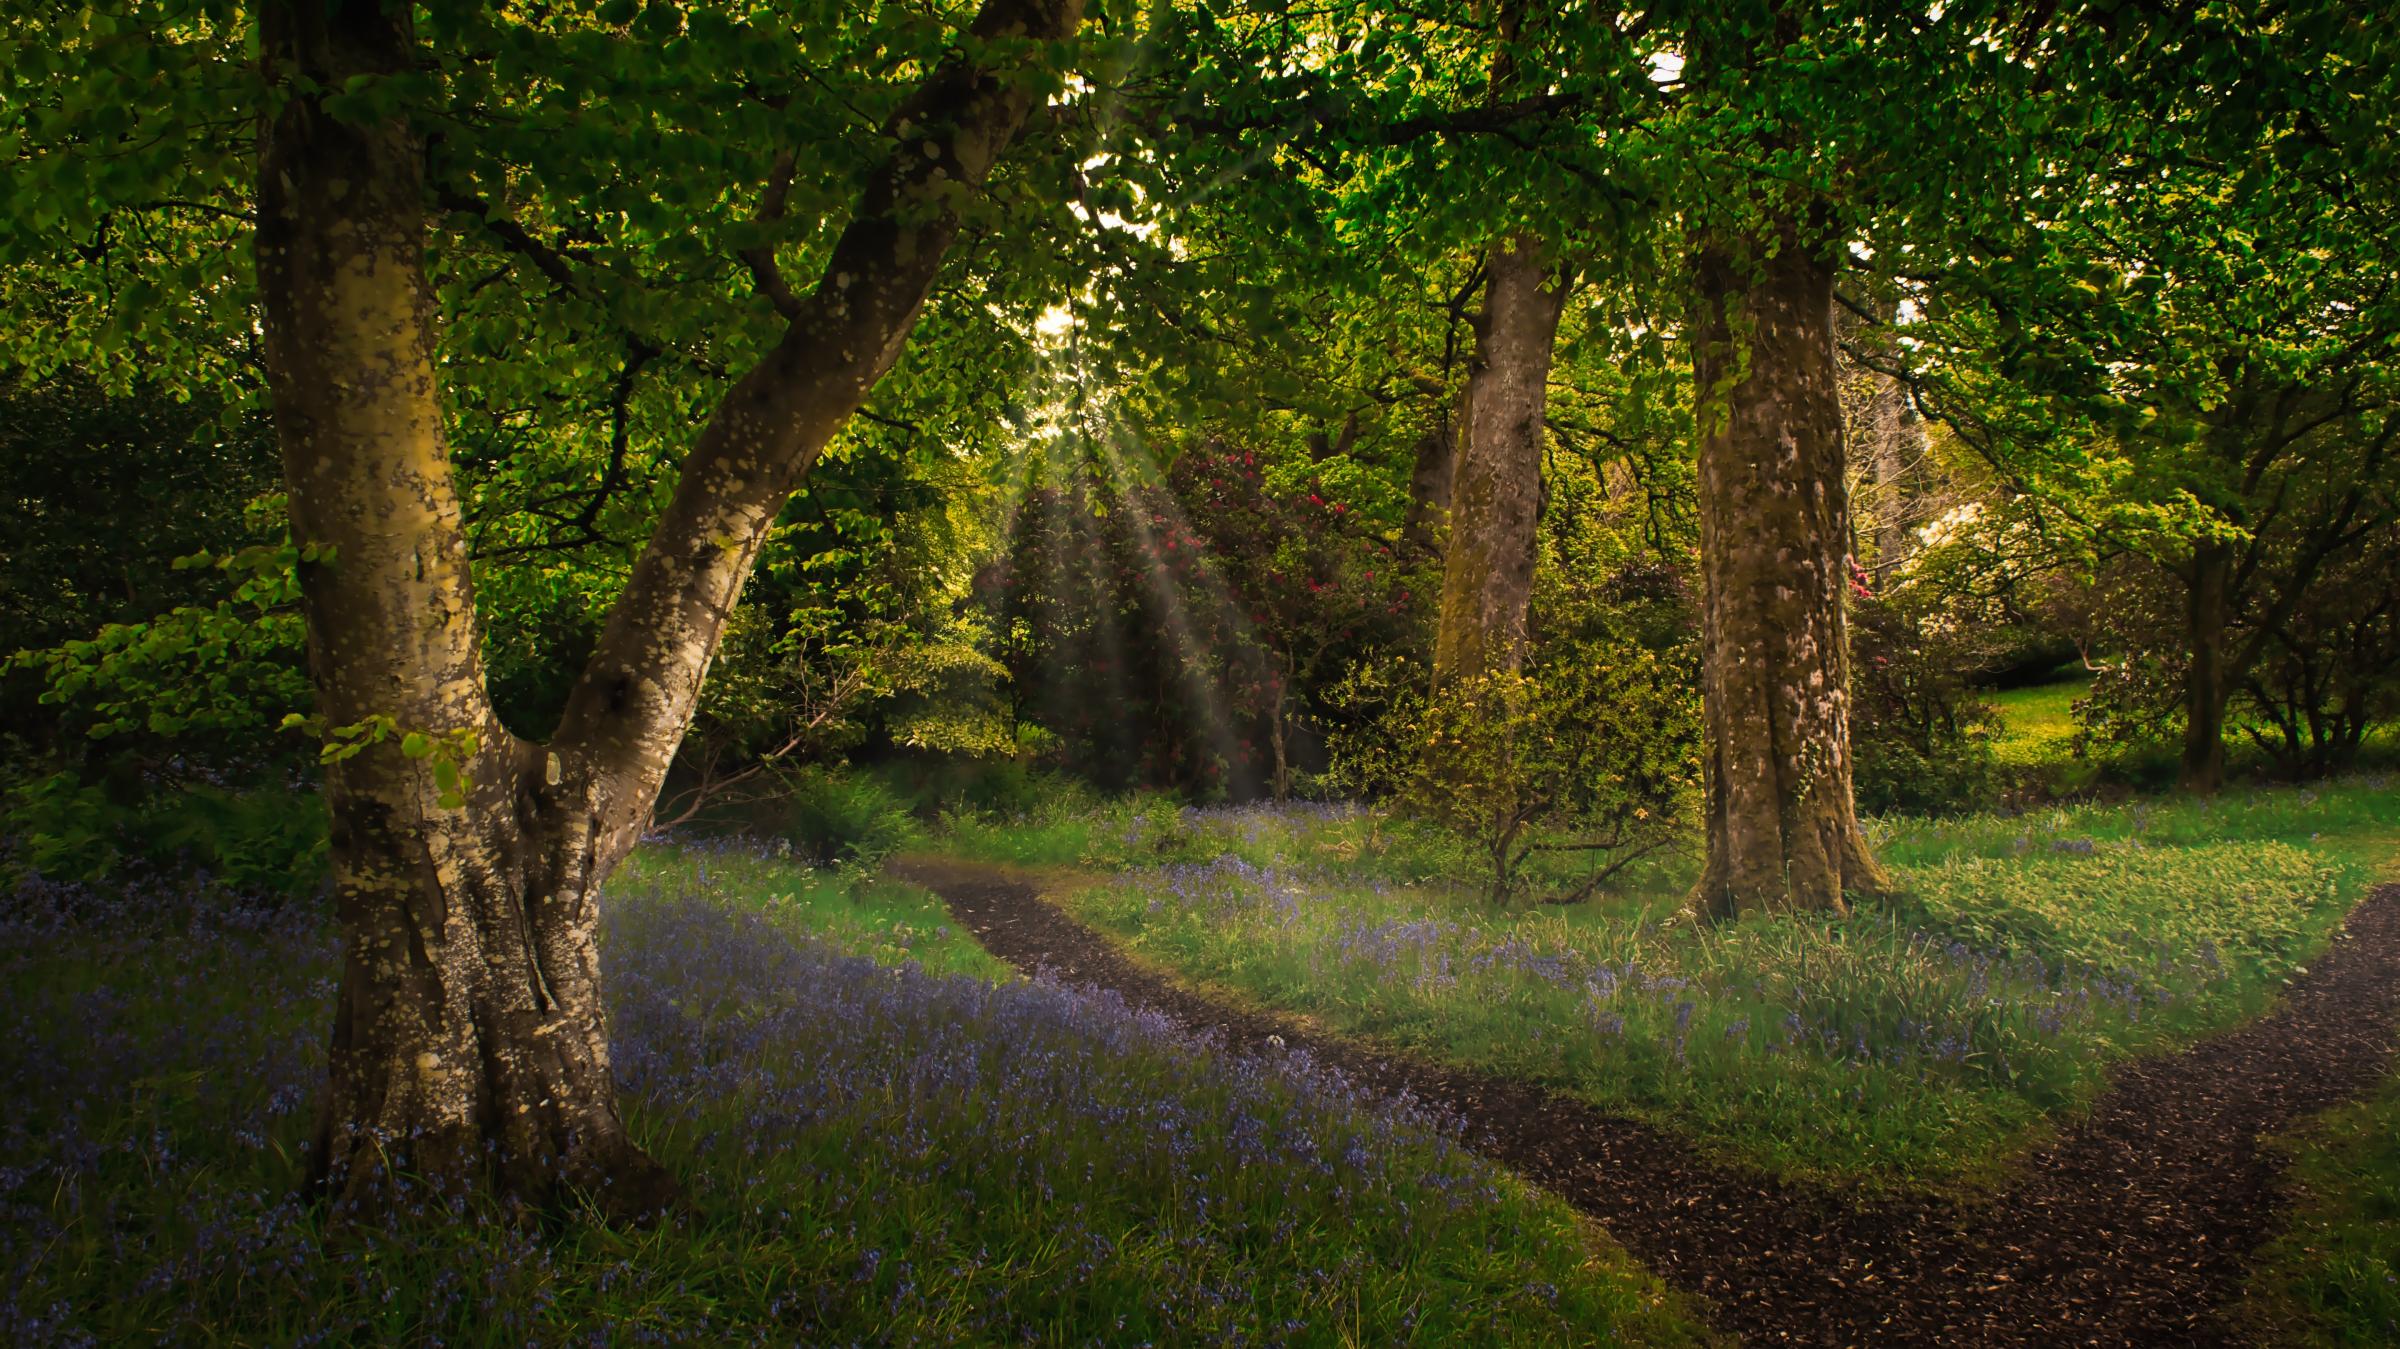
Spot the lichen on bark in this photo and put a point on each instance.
(1782, 827)
(470, 1044)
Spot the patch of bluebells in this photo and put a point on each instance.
(1190, 829)
(1926, 1004)
(906, 1157)
(1263, 814)
(1224, 888)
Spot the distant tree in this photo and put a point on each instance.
(2195, 366)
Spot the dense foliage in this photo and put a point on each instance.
(1543, 450)
(1235, 311)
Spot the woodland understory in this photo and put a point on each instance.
(1066, 671)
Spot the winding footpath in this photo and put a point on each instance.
(2131, 1227)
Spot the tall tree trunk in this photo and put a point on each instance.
(1429, 486)
(1885, 433)
(1782, 827)
(1487, 573)
(469, 1008)
(2207, 680)
(470, 1040)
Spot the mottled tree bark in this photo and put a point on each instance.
(470, 1041)
(1495, 496)
(1782, 826)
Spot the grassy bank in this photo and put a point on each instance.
(1917, 1040)
(2333, 1276)
(882, 1145)
(2037, 723)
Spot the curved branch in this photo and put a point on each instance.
(629, 709)
(760, 257)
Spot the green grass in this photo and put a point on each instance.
(861, 914)
(1079, 829)
(1918, 1041)
(2333, 1276)
(2037, 723)
(873, 1153)
(2035, 750)
(2353, 822)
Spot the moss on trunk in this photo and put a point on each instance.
(1495, 499)
(1774, 524)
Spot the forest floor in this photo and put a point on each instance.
(2134, 1223)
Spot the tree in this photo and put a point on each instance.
(470, 1036)
(1496, 484)
(1496, 477)
(1774, 531)
(1796, 152)
(2189, 361)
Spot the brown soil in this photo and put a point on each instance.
(2132, 1227)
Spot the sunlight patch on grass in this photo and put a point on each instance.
(1918, 1040)
(2037, 722)
(876, 917)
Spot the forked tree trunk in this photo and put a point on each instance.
(470, 1040)
(2207, 680)
(1782, 827)
(1495, 497)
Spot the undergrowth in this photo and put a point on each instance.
(1918, 1040)
(881, 1145)
(2332, 1278)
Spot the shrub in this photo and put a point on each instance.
(259, 843)
(1921, 740)
(2330, 671)
(1593, 752)
(831, 818)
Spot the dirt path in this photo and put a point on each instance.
(2132, 1228)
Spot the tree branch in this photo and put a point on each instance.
(760, 258)
(629, 709)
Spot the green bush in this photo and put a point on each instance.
(1004, 789)
(260, 843)
(831, 818)
(1921, 740)
(64, 828)
(1593, 752)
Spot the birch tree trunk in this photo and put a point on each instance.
(1782, 826)
(470, 1042)
(1495, 498)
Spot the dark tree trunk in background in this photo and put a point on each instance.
(1429, 486)
(1900, 447)
(470, 1041)
(1495, 498)
(1886, 437)
(2207, 680)
(1782, 827)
